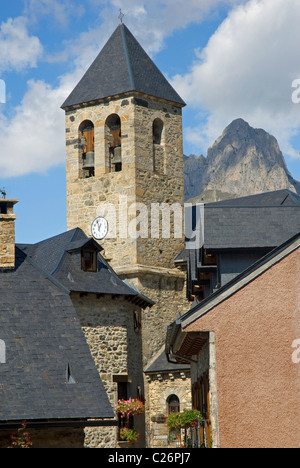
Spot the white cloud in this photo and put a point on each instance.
(152, 22)
(18, 49)
(34, 134)
(34, 137)
(247, 70)
(59, 10)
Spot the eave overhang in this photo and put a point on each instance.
(57, 423)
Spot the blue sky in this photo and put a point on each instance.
(227, 59)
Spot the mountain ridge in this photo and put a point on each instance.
(242, 161)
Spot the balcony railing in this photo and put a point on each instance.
(198, 436)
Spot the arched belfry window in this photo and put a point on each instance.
(158, 148)
(114, 140)
(87, 149)
(173, 404)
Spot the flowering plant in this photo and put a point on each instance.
(127, 408)
(131, 435)
(22, 439)
(186, 418)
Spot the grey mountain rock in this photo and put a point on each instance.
(242, 161)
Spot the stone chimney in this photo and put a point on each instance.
(7, 233)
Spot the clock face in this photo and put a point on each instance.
(99, 228)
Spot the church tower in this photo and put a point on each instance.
(125, 170)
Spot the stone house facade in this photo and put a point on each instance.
(73, 345)
(168, 390)
(48, 376)
(115, 342)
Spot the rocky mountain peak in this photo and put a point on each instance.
(242, 161)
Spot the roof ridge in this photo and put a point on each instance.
(43, 272)
(76, 231)
(122, 29)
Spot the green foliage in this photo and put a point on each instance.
(183, 420)
(130, 435)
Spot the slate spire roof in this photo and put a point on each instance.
(121, 67)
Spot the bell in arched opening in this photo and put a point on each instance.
(87, 147)
(113, 128)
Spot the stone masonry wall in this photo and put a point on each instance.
(160, 386)
(108, 324)
(7, 241)
(138, 181)
(145, 256)
(169, 294)
(148, 258)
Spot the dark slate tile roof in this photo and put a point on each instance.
(162, 364)
(57, 257)
(259, 221)
(276, 198)
(48, 253)
(248, 275)
(121, 67)
(43, 339)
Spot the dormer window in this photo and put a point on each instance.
(89, 261)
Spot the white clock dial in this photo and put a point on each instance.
(99, 228)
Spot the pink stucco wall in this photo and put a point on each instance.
(257, 382)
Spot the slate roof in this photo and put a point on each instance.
(230, 288)
(49, 373)
(258, 221)
(57, 257)
(45, 351)
(162, 364)
(267, 199)
(242, 279)
(122, 66)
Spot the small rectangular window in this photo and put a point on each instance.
(89, 260)
(208, 259)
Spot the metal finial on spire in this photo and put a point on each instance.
(121, 16)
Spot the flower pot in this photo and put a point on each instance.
(123, 444)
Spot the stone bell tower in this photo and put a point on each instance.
(124, 160)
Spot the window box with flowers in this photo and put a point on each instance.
(126, 410)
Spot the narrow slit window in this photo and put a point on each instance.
(158, 127)
(158, 147)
